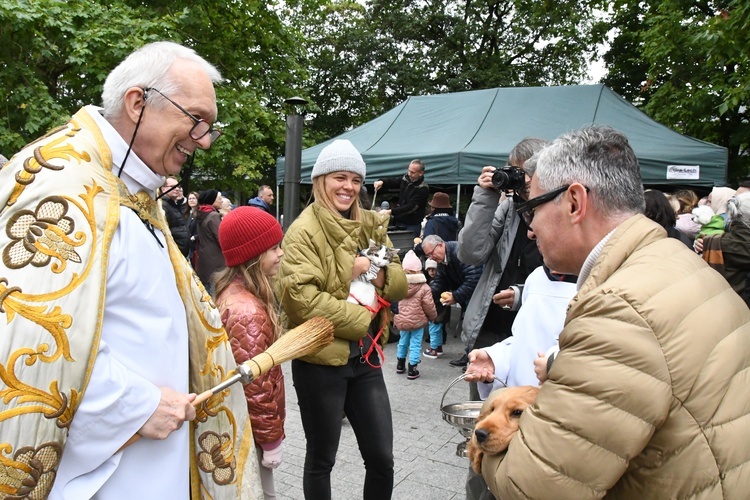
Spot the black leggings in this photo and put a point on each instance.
(324, 393)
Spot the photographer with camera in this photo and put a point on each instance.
(495, 236)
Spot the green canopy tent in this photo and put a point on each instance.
(457, 134)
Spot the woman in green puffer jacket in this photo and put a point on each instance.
(319, 263)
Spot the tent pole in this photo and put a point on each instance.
(458, 201)
(278, 205)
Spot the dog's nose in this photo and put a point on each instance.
(481, 435)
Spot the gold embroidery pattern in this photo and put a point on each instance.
(31, 472)
(39, 236)
(43, 236)
(56, 149)
(217, 457)
(53, 404)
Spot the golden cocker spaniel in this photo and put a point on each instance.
(498, 422)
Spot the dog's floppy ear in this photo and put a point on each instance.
(489, 404)
(523, 396)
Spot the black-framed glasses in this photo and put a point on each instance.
(526, 209)
(200, 126)
(431, 252)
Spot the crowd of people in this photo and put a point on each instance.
(568, 275)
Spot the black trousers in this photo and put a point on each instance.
(324, 394)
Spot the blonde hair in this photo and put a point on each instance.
(256, 282)
(687, 199)
(319, 193)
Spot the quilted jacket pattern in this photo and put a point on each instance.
(315, 273)
(648, 397)
(250, 333)
(417, 307)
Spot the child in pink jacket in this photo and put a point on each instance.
(413, 313)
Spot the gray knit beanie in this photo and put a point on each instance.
(339, 156)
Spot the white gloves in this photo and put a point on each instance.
(271, 458)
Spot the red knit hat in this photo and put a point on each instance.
(245, 233)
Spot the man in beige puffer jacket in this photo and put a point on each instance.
(648, 397)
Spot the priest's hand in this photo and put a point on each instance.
(173, 410)
(481, 368)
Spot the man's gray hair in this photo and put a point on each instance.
(432, 240)
(263, 188)
(149, 67)
(600, 158)
(524, 150)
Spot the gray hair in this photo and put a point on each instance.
(600, 158)
(524, 150)
(529, 166)
(149, 67)
(419, 163)
(432, 240)
(738, 208)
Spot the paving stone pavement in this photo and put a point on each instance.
(426, 465)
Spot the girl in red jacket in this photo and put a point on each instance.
(413, 313)
(249, 240)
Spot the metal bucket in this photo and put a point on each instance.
(463, 416)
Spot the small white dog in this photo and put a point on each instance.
(702, 214)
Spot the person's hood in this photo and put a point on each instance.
(415, 282)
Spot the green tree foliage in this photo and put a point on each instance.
(57, 53)
(55, 56)
(261, 61)
(366, 59)
(686, 62)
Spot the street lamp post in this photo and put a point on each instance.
(293, 159)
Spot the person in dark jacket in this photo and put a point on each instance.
(264, 200)
(729, 252)
(455, 281)
(440, 221)
(176, 208)
(660, 211)
(412, 199)
(210, 258)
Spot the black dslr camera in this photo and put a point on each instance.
(508, 178)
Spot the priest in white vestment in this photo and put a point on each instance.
(109, 334)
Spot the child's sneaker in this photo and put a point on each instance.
(431, 353)
(439, 351)
(401, 365)
(413, 372)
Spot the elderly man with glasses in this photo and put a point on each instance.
(647, 396)
(107, 335)
(455, 281)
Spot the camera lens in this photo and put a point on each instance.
(508, 178)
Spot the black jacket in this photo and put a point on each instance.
(441, 223)
(176, 218)
(455, 276)
(412, 199)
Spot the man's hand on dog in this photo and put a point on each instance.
(481, 368)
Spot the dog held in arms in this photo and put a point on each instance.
(498, 422)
